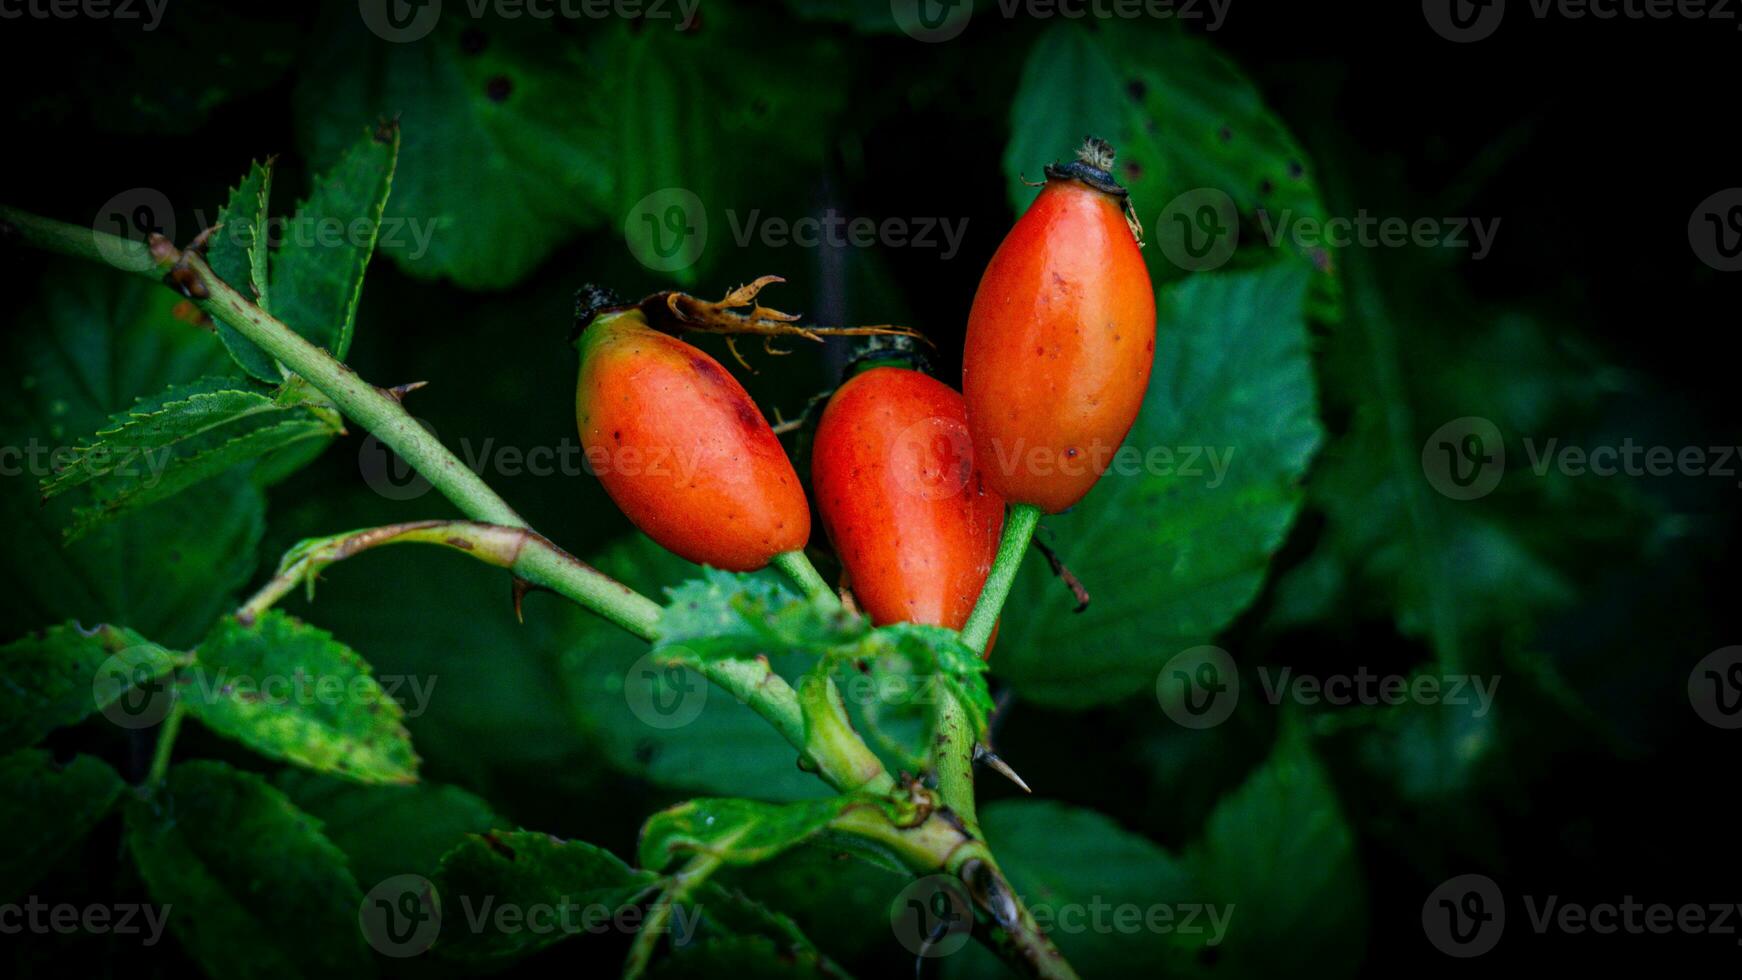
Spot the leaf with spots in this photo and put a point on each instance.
(292, 692)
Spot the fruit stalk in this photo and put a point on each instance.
(1019, 527)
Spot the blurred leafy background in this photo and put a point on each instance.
(528, 143)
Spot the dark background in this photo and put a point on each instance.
(1592, 141)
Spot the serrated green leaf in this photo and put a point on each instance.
(46, 810)
(290, 691)
(735, 831)
(1174, 546)
(175, 439)
(389, 830)
(238, 255)
(512, 872)
(90, 344)
(1182, 118)
(64, 674)
(731, 616)
(609, 681)
(236, 863)
(512, 144)
(317, 272)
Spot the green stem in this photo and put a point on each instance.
(375, 410)
(521, 550)
(166, 735)
(795, 566)
(1019, 527)
(953, 757)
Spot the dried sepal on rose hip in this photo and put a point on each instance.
(1060, 339)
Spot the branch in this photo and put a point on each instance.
(529, 555)
(372, 408)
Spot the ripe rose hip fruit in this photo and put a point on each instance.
(1060, 339)
(911, 519)
(682, 449)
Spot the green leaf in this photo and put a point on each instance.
(1174, 542)
(91, 343)
(1272, 883)
(238, 863)
(179, 437)
(735, 831)
(1280, 853)
(1065, 863)
(389, 830)
(238, 255)
(515, 140)
(754, 956)
(317, 272)
(292, 692)
(507, 873)
(726, 616)
(1183, 118)
(64, 674)
(46, 810)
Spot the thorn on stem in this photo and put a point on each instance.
(1064, 574)
(520, 588)
(1002, 768)
(398, 392)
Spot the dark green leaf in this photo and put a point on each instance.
(93, 342)
(516, 139)
(507, 874)
(389, 830)
(1175, 540)
(172, 440)
(47, 809)
(317, 272)
(238, 254)
(728, 616)
(238, 864)
(64, 674)
(735, 831)
(292, 692)
(1185, 121)
(752, 956)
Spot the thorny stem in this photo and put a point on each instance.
(532, 557)
(952, 754)
(937, 843)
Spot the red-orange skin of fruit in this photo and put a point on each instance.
(682, 448)
(1060, 341)
(911, 520)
